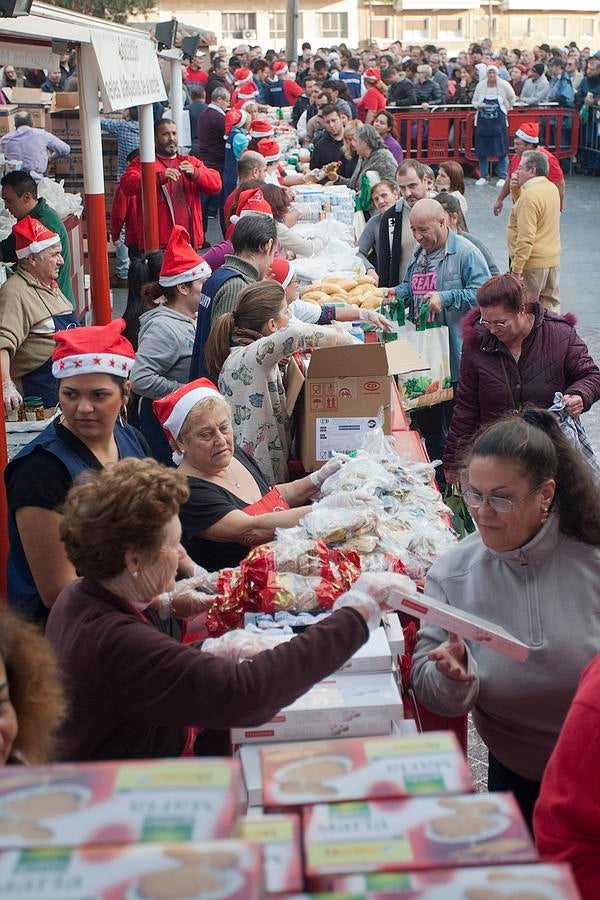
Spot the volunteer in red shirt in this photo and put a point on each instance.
(527, 137)
(284, 90)
(180, 180)
(373, 100)
(567, 816)
(127, 211)
(195, 74)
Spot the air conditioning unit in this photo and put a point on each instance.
(249, 35)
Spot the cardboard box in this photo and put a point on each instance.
(65, 124)
(374, 655)
(394, 634)
(340, 706)
(104, 803)
(344, 389)
(7, 119)
(71, 165)
(550, 881)
(465, 624)
(65, 100)
(409, 835)
(227, 870)
(30, 96)
(366, 769)
(280, 839)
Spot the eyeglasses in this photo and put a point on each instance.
(475, 500)
(499, 324)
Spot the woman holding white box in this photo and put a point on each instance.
(532, 568)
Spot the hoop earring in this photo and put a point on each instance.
(123, 415)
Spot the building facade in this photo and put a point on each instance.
(510, 23)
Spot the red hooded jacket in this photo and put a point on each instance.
(492, 383)
(127, 211)
(204, 180)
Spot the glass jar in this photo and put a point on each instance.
(34, 409)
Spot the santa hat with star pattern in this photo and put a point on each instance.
(100, 349)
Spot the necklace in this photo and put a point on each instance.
(230, 480)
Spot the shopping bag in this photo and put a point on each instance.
(419, 389)
(462, 523)
(359, 223)
(575, 433)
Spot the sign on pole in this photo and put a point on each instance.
(128, 71)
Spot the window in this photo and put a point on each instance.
(587, 28)
(277, 25)
(557, 27)
(482, 27)
(381, 28)
(332, 24)
(416, 29)
(520, 26)
(450, 28)
(239, 26)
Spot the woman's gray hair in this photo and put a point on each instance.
(369, 135)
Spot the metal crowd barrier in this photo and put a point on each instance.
(442, 133)
(588, 155)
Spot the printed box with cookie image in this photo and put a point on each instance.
(340, 706)
(414, 834)
(217, 870)
(280, 839)
(547, 881)
(374, 656)
(71, 805)
(364, 769)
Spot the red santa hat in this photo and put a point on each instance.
(270, 149)
(529, 132)
(251, 203)
(260, 128)
(94, 349)
(282, 271)
(181, 263)
(245, 93)
(32, 236)
(241, 76)
(372, 75)
(279, 67)
(235, 117)
(172, 410)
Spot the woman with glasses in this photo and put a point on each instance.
(515, 352)
(532, 567)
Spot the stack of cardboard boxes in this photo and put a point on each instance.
(370, 818)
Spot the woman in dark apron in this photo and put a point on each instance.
(491, 136)
(92, 367)
(231, 507)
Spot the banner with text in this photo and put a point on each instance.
(128, 71)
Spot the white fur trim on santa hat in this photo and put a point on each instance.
(528, 138)
(201, 271)
(251, 212)
(185, 405)
(92, 363)
(37, 246)
(270, 159)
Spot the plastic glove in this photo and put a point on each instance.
(374, 318)
(329, 468)
(348, 499)
(370, 593)
(12, 398)
(239, 645)
(343, 338)
(188, 598)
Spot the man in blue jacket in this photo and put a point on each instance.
(443, 275)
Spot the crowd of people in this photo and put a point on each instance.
(169, 456)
